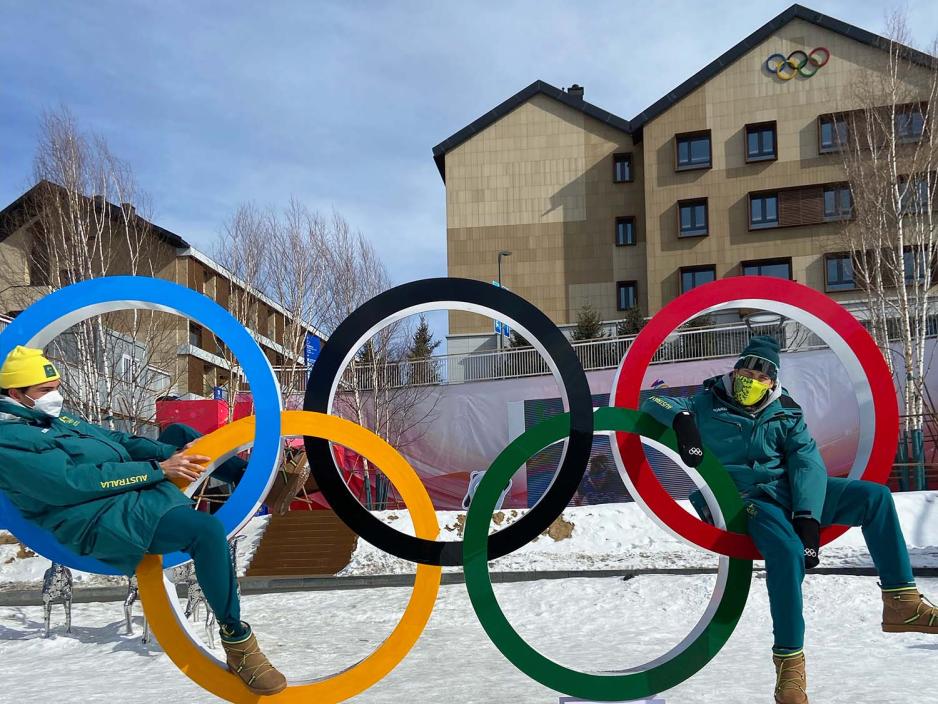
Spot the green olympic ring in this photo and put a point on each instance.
(797, 62)
(687, 658)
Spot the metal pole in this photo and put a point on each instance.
(498, 334)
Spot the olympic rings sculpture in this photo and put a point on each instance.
(798, 62)
(866, 369)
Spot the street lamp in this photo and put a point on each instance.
(503, 253)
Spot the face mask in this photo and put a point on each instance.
(50, 404)
(749, 392)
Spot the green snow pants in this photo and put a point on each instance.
(848, 502)
(202, 537)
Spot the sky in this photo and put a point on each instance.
(339, 104)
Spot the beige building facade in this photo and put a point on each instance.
(731, 173)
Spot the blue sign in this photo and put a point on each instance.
(218, 393)
(498, 327)
(506, 331)
(311, 350)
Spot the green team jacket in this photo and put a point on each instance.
(100, 492)
(767, 452)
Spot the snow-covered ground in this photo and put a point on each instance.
(594, 624)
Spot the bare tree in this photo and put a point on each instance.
(889, 147)
(84, 220)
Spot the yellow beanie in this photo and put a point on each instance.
(26, 367)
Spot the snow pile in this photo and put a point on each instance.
(621, 536)
(21, 568)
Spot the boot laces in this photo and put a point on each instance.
(253, 669)
(792, 681)
(923, 607)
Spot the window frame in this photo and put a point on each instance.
(693, 270)
(626, 284)
(627, 219)
(827, 283)
(768, 224)
(760, 127)
(623, 157)
(770, 260)
(834, 117)
(839, 216)
(694, 201)
(690, 136)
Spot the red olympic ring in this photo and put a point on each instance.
(750, 291)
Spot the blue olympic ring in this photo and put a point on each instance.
(43, 320)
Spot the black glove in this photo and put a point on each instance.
(809, 531)
(688, 439)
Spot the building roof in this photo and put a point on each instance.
(634, 126)
(522, 96)
(11, 217)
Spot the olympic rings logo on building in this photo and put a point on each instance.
(727, 537)
(798, 62)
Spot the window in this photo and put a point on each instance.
(692, 217)
(126, 368)
(838, 272)
(838, 202)
(694, 276)
(692, 150)
(626, 295)
(763, 210)
(913, 197)
(760, 142)
(625, 231)
(913, 263)
(910, 124)
(195, 335)
(621, 168)
(832, 133)
(780, 268)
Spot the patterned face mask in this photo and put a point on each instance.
(749, 392)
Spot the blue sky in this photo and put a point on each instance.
(338, 104)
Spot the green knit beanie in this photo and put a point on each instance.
(761, 354)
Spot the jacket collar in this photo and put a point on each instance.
(10, 410)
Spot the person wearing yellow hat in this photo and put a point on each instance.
(107, 494)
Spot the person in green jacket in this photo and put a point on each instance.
(758, 433)
(109, 495)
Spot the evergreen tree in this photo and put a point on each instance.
(589, 326)
(631, 323)
(422, 345)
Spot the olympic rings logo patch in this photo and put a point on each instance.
(797, 63)
(727, 536)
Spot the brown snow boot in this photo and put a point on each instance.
(791, 683)
(246, 660)
(907, 611)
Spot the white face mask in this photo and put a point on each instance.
(50, 403)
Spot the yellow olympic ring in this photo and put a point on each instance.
(170, 626)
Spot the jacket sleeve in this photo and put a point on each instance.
(140, 448)
(664, 408)
(50, 476)
(807, 474)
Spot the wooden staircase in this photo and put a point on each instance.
(303, 543)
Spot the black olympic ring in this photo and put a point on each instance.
(477, 297)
